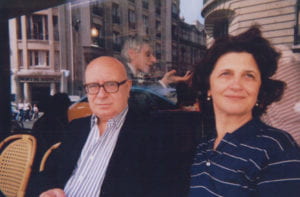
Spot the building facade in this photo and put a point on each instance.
(35, 49)
(279, 20)
(101, 27)
(51, 48)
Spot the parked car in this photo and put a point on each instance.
(142, 99)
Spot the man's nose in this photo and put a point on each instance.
(153, 59)
(102, 92)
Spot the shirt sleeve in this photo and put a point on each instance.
(162, 84)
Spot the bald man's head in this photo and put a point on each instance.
(107, 61)
(111, 73)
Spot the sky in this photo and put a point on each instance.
(191, 10)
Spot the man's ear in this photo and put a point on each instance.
(129, 86)
(129, 83)
(131, 54)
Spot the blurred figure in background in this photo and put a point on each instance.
(27, 111)
(139, 58)
(51, 125)
(49, 128)
(20, 107)
(35, 110)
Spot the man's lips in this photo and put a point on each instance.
(103, 104)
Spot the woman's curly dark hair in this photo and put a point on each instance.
(266, 57)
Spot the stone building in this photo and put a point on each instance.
(279, 19)
(35, 54)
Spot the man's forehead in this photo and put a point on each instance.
(105, 73)
(146, 48)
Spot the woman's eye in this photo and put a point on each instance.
(250, 76)
(225, 73)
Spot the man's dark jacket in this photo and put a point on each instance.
(147, 160)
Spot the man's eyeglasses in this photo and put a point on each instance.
(109, 87)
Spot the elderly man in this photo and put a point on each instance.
(106, 154)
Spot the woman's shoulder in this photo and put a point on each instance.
(276, 141)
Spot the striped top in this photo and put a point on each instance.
(283, 114)
(255, 160)
(88, 176)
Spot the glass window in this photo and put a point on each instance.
(19, 28)
(131, 19)
(55, 28)
(157, 4)
(297, 26)
(37, 27)
(145, 4)
(146, 24)
(116, 41)
(38, 58)
(97, 9)
(115, 13)
(20, 58)
(220, 28)
(86, 29)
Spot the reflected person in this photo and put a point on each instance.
(139, 58)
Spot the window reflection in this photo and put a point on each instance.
(49, 43)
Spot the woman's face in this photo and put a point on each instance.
(234, 84)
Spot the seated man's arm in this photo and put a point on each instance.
(170, 78)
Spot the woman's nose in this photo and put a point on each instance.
(236, 83)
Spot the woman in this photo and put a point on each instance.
(242, 156)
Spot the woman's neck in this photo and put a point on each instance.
(228, 124)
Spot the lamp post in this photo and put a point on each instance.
(94, 32)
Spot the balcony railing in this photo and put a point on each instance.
(37, 36)
(145, 5)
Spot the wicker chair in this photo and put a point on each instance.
(17, 155)
(47, 154)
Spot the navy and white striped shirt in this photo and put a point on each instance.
(255, 160)
(88, 176)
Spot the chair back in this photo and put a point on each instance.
(47, 154)
(17, 155)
